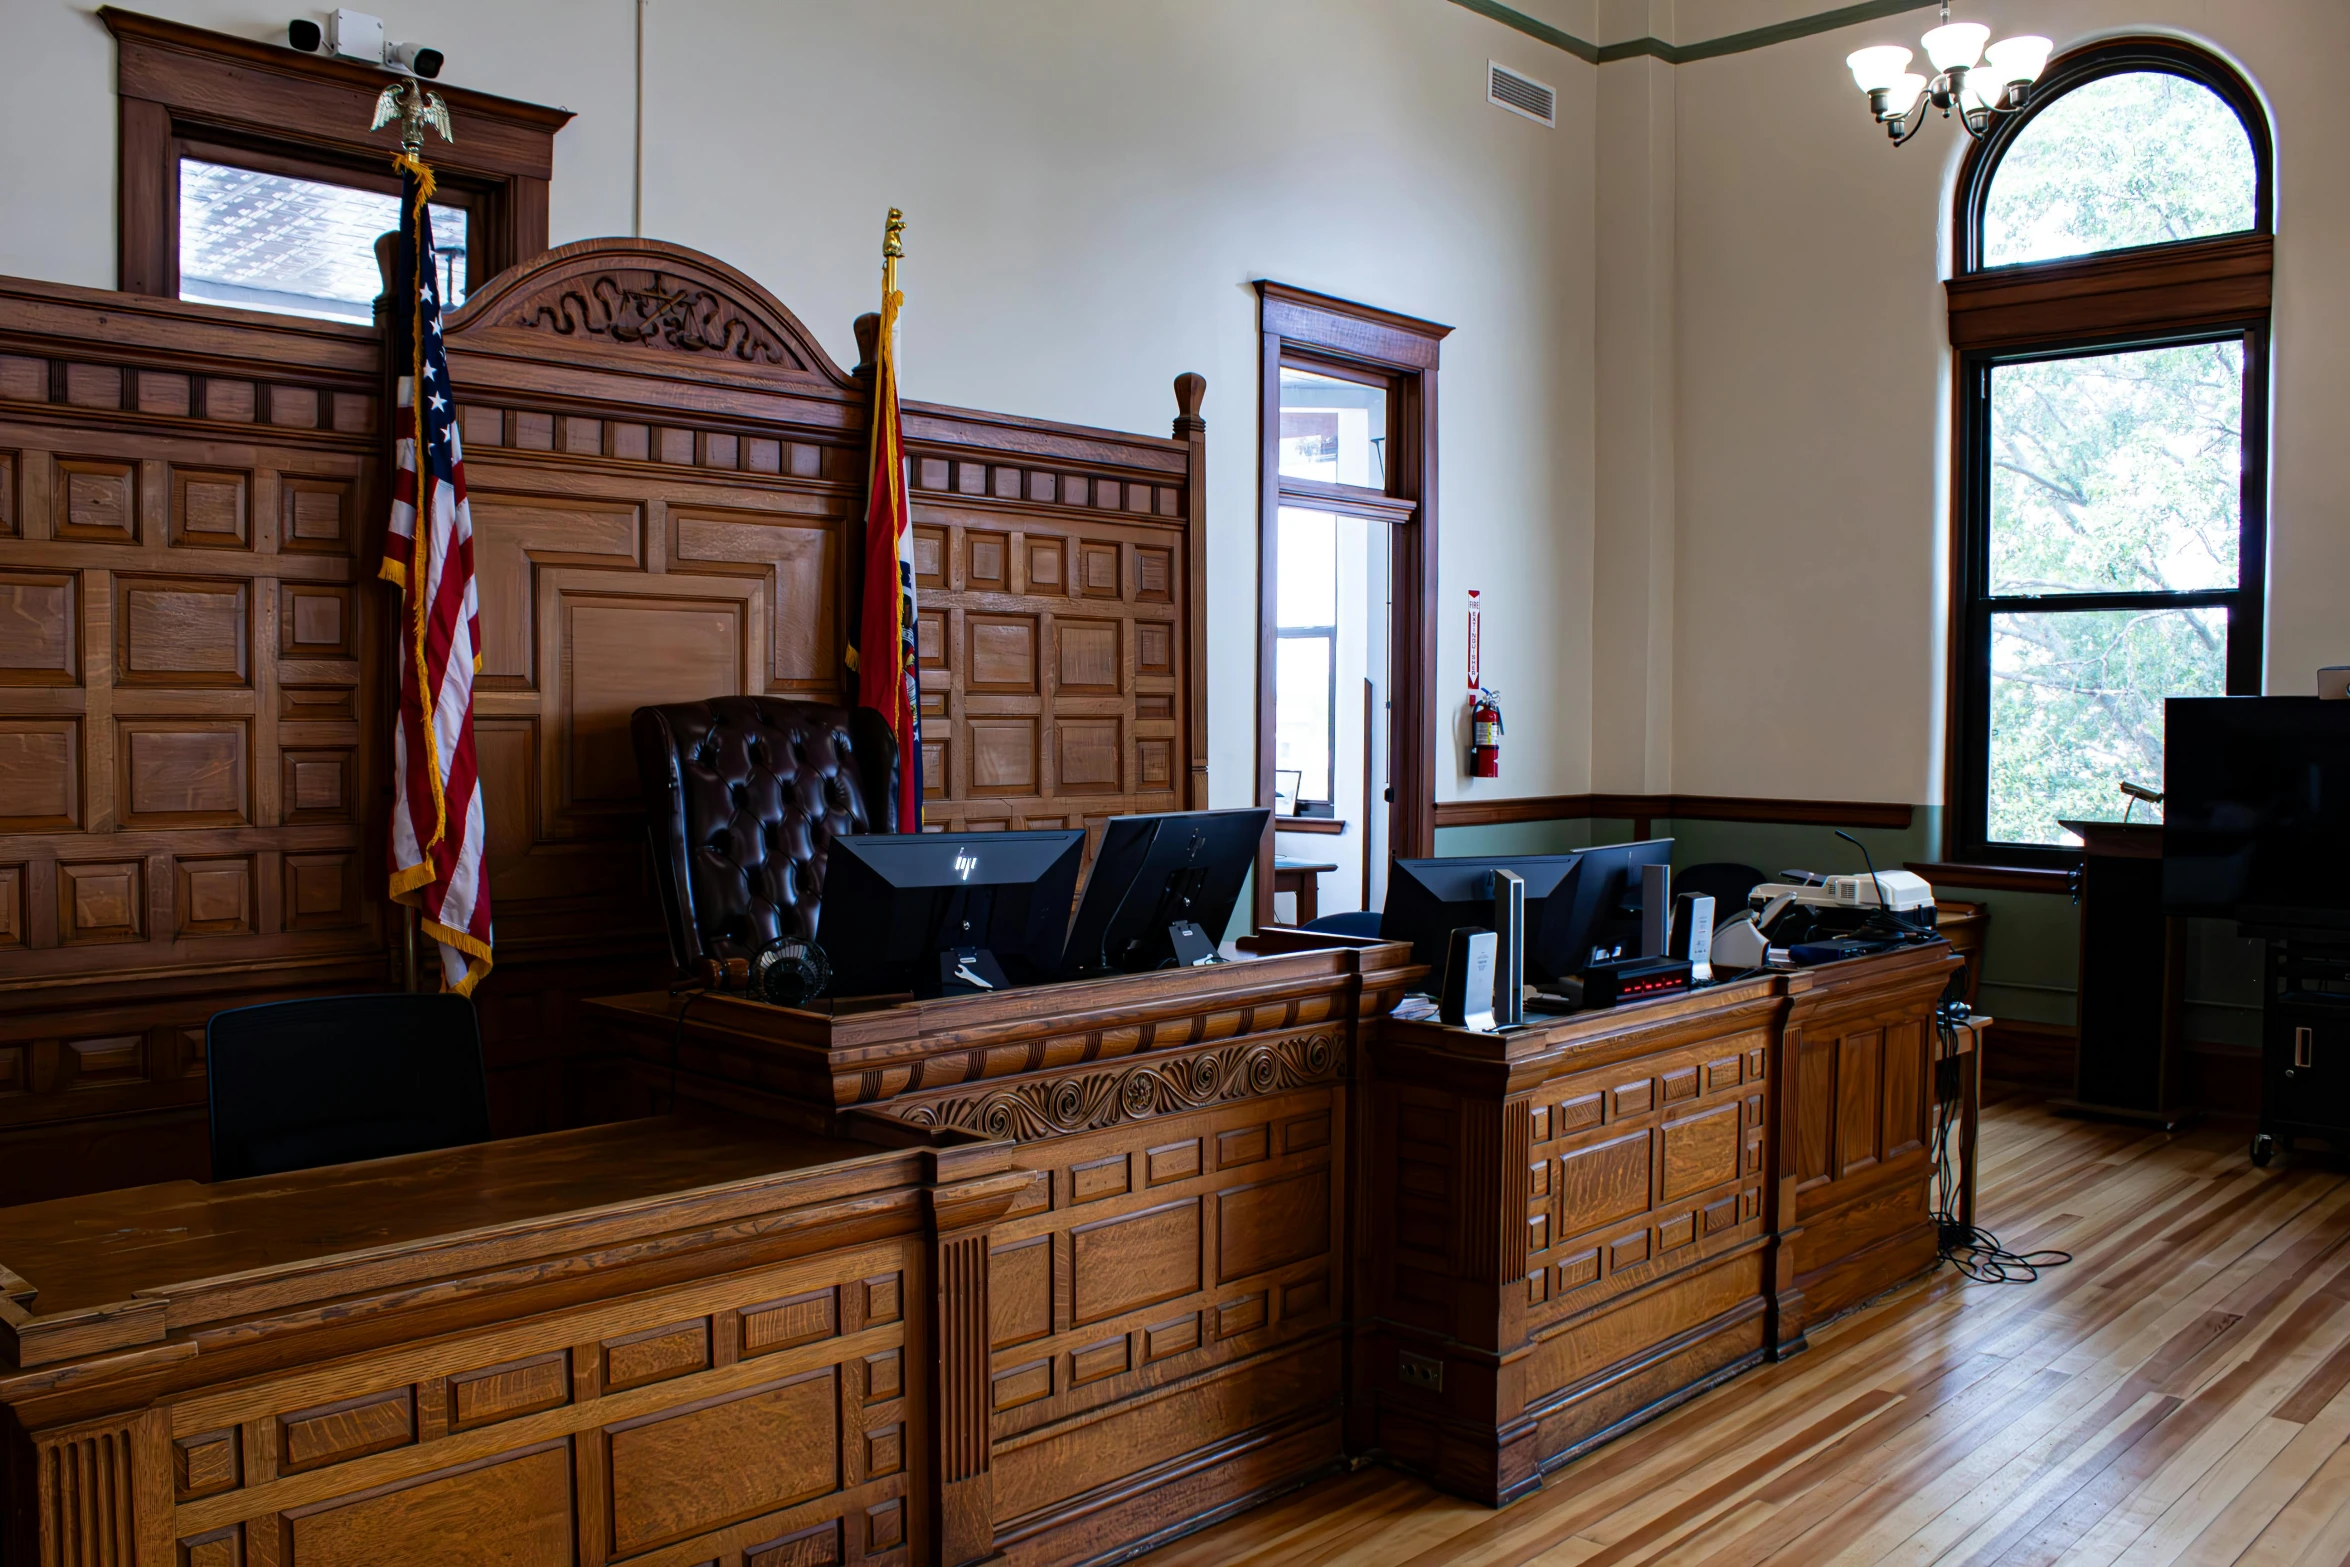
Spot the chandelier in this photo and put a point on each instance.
(1980, 82)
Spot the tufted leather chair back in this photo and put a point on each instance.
(744, 793)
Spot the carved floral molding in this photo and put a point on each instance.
(1088, 1101)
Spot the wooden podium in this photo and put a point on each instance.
(2133, 988)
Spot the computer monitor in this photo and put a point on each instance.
(1601, 914)
(895, 903)
(1428, 899)
(1153, 873)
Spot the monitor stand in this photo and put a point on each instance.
(1192, 945)
(968, 971)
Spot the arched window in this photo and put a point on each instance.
(2111, 316)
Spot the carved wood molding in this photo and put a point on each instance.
(1088, 1101)
(653, 310)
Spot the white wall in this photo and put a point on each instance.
(1089, 190)
(1814, 373)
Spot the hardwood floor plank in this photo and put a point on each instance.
(2178, 1396)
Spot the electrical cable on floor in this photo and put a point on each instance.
(1971, 1249)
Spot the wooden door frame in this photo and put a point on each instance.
(1294, 323)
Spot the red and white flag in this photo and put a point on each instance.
(436, 856)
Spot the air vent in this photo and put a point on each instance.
(1520, 94)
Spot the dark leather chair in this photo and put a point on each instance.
(743, 793)
(298, 1084)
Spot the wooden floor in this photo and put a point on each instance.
(2176, 1395)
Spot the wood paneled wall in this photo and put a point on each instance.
(667, 478)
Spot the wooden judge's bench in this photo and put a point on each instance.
(1041, 1276)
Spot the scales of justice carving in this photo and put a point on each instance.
(654, 310)
(1089, 1101)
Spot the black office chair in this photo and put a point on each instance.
(298, 1084)
(1727, 882)
(1353, 922)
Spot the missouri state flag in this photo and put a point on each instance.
(888, 680)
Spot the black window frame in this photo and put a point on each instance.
(2071, 323)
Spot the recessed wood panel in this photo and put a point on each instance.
(230, 401)
(181, 631)
(1098, 1178)
(1022, 1384)
(1097, 567)
(209, 509)
(816, 1546)
(1003, 755)
(1087, 656)
(1154, 648)
(885, 1526)
(321, 889)
(1154, 575)
(1172, 1162)
(505, 752)
(885, 1451)
(1154, 764)
(314, 515)
(1109, 1358)
(1133, 1260)
(1164, 1340)
(293, 407)
(101, 901)
(1044, 565)
(24, 379)
(514, 1510)
(508, 1391)
(314, 620)
(1089, 756)
(318, 704)
(937, 759)
(930, 639)
(510, 533)
(1602, 1183)
(800, 553)
(885, 1376)
(1271, 1223)
(109, 1060)
(215, 895)
(9, 526)
(207, 1464)
(95, 500)
(1020, 1292)
(884, 1299)
(183, 772)
(12, 912)
(345, 1429)
(656, 1355)
(986, 562)
(94, 386)
(930, 558)
(316, 786)
(627, 653)
(1700, 1151)
(1859, 1058)
(792, 1321)
(1003, 653)
(40, 628)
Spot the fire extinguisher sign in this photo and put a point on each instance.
(1476, 642)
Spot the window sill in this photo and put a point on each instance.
(1322, 824)
(1995, 878)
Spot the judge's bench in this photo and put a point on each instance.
(1041, 1275)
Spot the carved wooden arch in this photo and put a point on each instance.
(631, 299)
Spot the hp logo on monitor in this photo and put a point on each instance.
(965, 863)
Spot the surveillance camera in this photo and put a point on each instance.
(304, 35)
(415, 58)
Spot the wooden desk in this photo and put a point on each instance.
(2128, 1063)
(655, 1335)
(1577, 1224)
(1304, 878)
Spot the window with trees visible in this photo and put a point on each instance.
(2112, 316)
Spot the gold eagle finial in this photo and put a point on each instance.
(415, 109)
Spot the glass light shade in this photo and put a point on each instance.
(1878, 67)
(1905, 93)
(1956, 44)
(1985, 88)
(2020, 59)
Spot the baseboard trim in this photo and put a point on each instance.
(1689, 807)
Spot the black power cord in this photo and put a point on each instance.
(1971, 1249)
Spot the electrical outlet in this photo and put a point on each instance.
(1419, 1371)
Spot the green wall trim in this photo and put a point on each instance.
(1682, 54)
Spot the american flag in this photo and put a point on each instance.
(428, 553)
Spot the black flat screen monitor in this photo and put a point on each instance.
(1428, 899)
(894, 901)
(1152, 871)
(1604, 907)
(2256, 809)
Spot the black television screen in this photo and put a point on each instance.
(2256, 809)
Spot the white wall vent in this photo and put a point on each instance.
(1520, 94)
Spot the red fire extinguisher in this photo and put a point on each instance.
(1485, 735)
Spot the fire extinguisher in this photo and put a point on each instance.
(1485, 734)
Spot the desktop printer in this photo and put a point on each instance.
(1803, 915)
